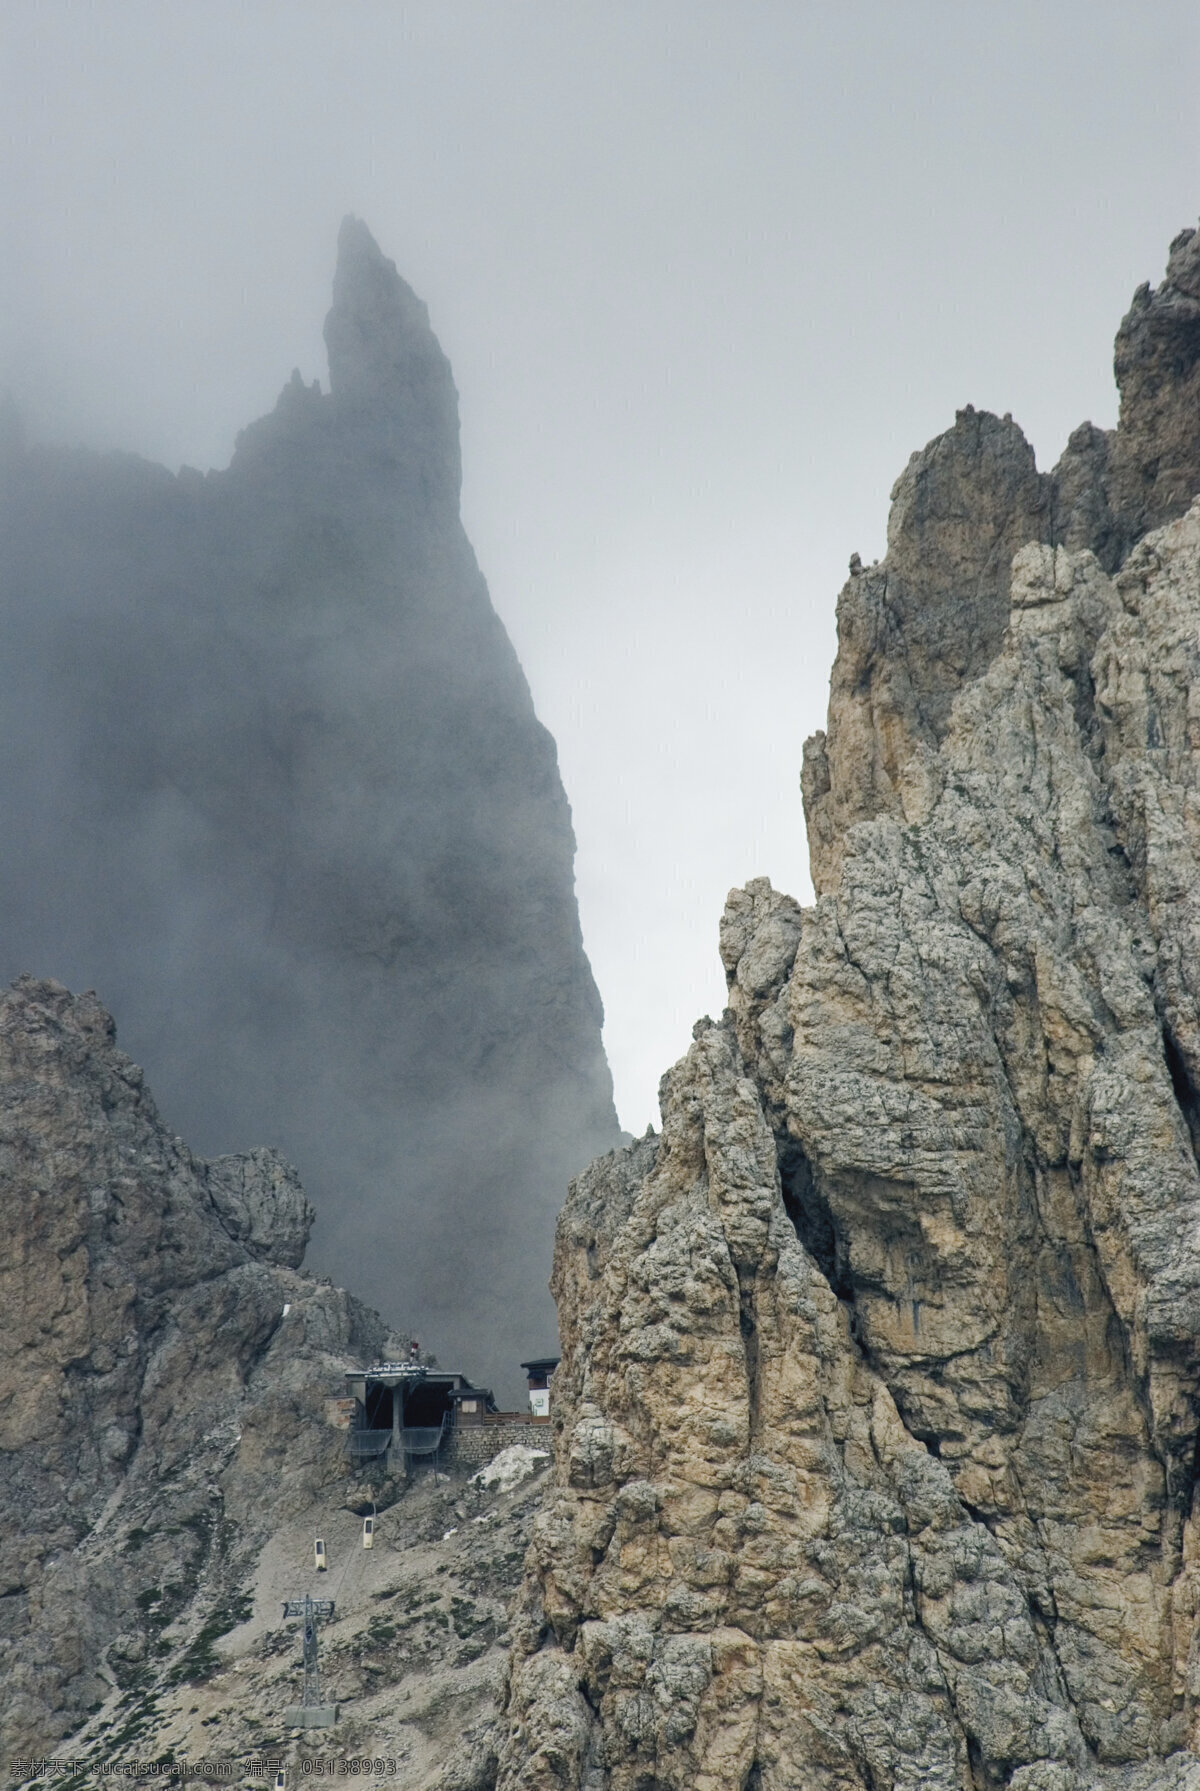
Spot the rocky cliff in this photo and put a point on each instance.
(274, 786)
(164, 1365)
(877, 1419)
(167, 1455)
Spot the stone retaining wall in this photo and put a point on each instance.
(471, 1445)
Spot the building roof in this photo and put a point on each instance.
(396, 1372)
(541, 1364)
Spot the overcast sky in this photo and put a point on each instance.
(707, 274)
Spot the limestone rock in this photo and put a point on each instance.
(876, 1425)
(168, 1452)
(1111, 487)
(930, 616)
(152, 1386)
(1156, 454)
(261, 1204)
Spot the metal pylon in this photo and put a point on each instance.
(310, 1609)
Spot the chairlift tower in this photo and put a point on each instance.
(310, 1713)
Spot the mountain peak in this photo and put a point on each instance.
(385, 363)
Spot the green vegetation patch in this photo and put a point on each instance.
(200, 1659)
(464, 1614)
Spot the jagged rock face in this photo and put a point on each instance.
(1111, 487)
(1156, 449)
(931, 615)
(274, 786)
(150, 1381)
(880, 1395)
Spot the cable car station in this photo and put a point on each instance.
(406, 1414)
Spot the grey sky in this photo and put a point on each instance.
(706, 275)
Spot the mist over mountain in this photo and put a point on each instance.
(274, 787)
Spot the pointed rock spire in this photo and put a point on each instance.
(1156, 358)
(386, 366)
